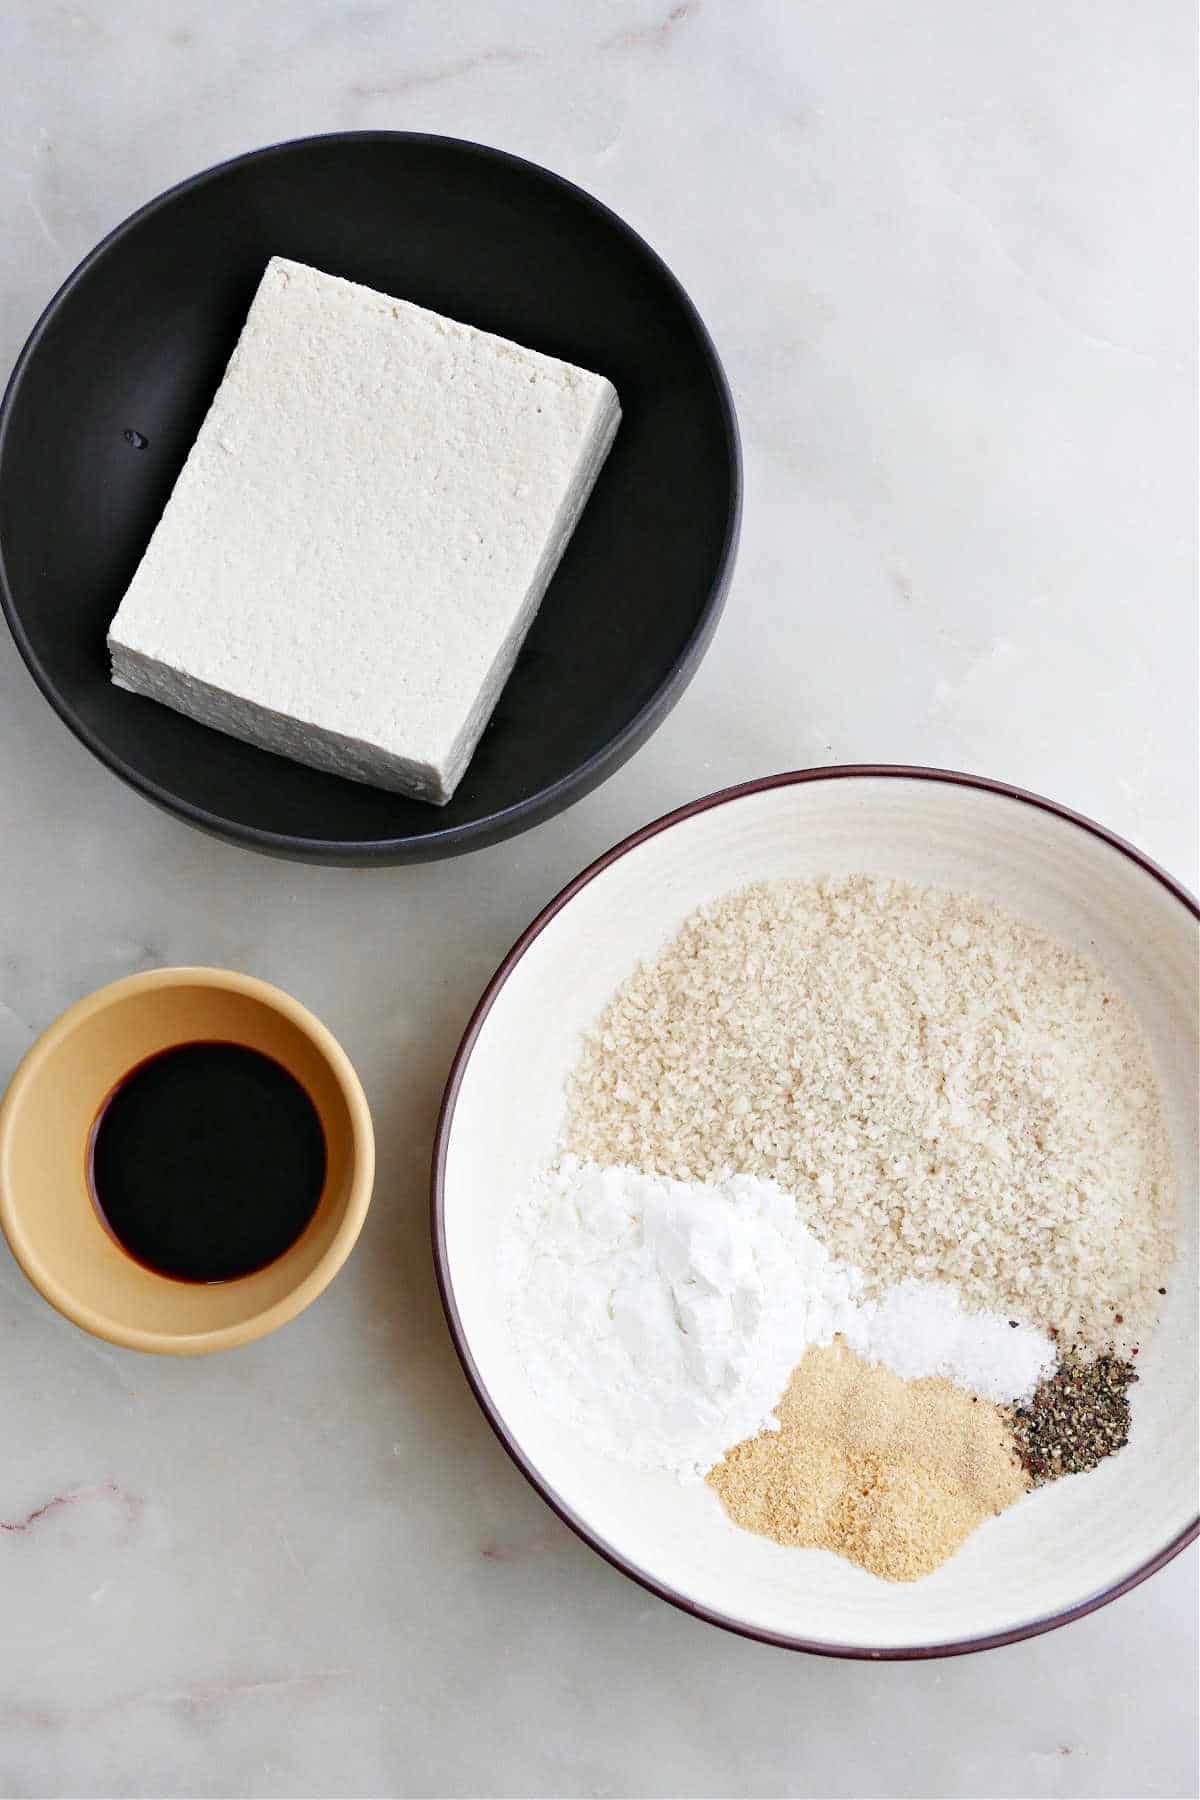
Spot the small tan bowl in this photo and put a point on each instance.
(46, 1207)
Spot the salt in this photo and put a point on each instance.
(922, 1328)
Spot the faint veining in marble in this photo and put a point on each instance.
(1093, 339)
(37, 1718)
(130, 1505)
(200, 1702)
(653, 37)
(203, 1700)
(47, 230)
(394, 88)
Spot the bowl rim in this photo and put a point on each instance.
(521, 814)
(722, 797)
(258, 1324)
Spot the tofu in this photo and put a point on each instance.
(362, 533)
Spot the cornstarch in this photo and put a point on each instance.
(661, 1319)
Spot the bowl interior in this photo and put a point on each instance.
(1065, 1543)
(137, 342)
(48, 1115)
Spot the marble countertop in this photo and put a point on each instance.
(945, 252)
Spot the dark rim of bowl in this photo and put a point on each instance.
(534, 807)
(958, 1647)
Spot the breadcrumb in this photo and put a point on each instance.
(950, 1093)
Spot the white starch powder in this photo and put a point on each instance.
(662, 1319)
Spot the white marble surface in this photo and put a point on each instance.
(946, 252)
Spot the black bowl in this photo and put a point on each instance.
(109, 392)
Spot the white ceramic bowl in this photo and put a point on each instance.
(1065, 1549)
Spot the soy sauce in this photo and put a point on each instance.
(207, 1161)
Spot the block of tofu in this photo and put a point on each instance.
(362, 533)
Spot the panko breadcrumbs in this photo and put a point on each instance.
(950, 1093)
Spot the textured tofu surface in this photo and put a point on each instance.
(362, 532)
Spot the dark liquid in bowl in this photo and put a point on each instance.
(207, 1161)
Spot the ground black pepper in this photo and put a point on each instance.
(1076, 1418)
